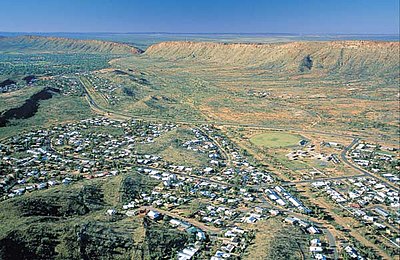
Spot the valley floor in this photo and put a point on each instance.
(155, 158)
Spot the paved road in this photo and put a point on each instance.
(332, 242)
(221, 149)
(330, 237)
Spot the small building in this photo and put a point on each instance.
(381, 212)
(320, 257)
(316, 249)
(131, 213)
(154, 215)
(313, 230)
(315, 242)
(303, 142)
(291, 220)
(174, 222)
(200, 235)
(111, 212)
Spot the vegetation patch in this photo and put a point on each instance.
(69, 222)
(163, 242)
(133, 186)
(288, 243)
(274, 241)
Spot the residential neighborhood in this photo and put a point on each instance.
(230, 192)
(381, 160)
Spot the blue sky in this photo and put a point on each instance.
(201, 16)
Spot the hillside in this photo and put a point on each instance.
(54, 44)
(69, 222)
(343, 57)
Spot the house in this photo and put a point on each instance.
(319, 257)
(41, 186)
(154, 215)
(303, 224)
(185, 226)
(291, 220)
(208, 170)
(319, 184)
(129, 205)
(19, 191)
(316, 249)
(274, 212)
(52, 183)
(66, 181)
(216, 258)
(315, 242)
(174, 222)
(220, 255)
(379, 226)
(281, 202)
(294, 201)
(111, 212)
(131, 213)
(313, 230)
(381, 212)
(200, 235)
(352, 253)
(368, 218)
(251, 219)
(187, 253)
(303, 142)
(228, 248)
(230, 233)
(238, 230)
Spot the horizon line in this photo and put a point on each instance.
(223, 33)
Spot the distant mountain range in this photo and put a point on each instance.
(56, 44)
(144, 40)
(367, 58)
(363, 58)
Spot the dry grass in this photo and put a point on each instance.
(227, 92)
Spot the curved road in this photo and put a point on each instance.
(106, 111)
(343, 156)
(95, 106)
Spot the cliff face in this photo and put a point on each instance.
(343, 57)
(55, 44)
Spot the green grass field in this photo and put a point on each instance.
(275, 139)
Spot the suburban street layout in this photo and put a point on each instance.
(192, 130)
(192, 178)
